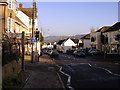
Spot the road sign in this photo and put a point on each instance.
(15, 35)
(33, 40)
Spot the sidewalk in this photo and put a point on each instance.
(43, 74)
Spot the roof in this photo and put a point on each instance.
(75, 40)
(61, 41)
(28, 11)
(87, 36)
(19, 21)
(115, 27)
(103, 29)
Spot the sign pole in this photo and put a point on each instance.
(23, 49)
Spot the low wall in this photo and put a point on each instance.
(11, 69)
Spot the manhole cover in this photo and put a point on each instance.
(51, 68)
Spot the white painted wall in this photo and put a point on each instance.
(86, 43)
(68, 42)
(112, 43)
(66, 45)
(23, 17)
(97, 42)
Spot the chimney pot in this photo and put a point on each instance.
(20, 5)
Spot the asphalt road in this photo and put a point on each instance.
(86, 72)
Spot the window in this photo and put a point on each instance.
(11, 4)
(10, 24)
(29, 22)
(93, 39)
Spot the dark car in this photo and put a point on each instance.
(70, 51)
(44, 50)
(94, 52)
(79, 53)
(53, 53)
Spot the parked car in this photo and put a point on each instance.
(70, 51)
(79, 53)
(94, 52)
(53, 53)
(45, 51)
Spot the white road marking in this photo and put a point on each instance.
(69, 78)
(104, 69)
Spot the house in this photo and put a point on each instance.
(95, 38)
(67, 44)
(86, 41)
(7, 16)
(59, 45)
(27, 16)
(113, 34)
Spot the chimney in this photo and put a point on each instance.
(20, 5)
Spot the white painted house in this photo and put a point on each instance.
(25, 15)
(86, 41)
(68, 44)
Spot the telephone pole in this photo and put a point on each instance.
(33, 25)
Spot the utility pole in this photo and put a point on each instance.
(33, 26)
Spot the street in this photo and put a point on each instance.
(62, 45)
(86, 73)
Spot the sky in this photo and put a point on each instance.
(72, 18)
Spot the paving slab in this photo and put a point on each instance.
(44, 74)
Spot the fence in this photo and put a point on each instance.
(10, 51)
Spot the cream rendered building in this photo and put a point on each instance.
(95, 38)
(7, 16)
(113, 45)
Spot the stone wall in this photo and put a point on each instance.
(11, 69)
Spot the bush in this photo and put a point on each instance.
(10, 51)
(12, 82)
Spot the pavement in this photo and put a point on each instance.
(43, 74)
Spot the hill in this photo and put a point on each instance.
(57, 38)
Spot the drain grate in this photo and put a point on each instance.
(51, 68)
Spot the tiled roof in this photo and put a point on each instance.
(115, 27)
(28, 11)
(103, 29)
(75, 40)
(61, 41)
(86, 36)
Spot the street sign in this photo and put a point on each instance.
(13, 35)
(33, 40)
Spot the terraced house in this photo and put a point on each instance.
(7, 10)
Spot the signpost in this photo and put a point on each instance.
(23, 49)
